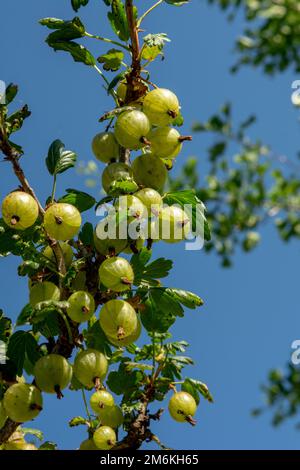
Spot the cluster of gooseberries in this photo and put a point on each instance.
(147, 127)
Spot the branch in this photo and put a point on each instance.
(134, 76)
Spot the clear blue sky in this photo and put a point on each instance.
(251, 312)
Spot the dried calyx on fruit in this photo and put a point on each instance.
(118, 319)
(182, 407)
(81, 306)
(101, 400)
(90, 368)
(62, 221)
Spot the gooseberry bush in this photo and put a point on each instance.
(60, 341)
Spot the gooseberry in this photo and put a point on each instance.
(22, 402)
(126, 340)
(101, 400)
(107, 246)
(174, 224)
(165, 142)
(131, 129)
(133, 205)
(66, 251)
(115, 172)
(161, 106)
(118, 319)
(90, 367)
(81, 306)
(182, 407)
(42, 291)
(62, 221)
(19, 210)
(88, 444)
(53, 374)
(149, 171)
(111, 416)
(150, 198)
(116, 274)
(105, 438)
(105, 147)
(19, 445)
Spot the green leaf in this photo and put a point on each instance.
(25, 315)
(154, 45)
(124, 186)
(124, 381)
(48, 326)
(146, 274)
(177, 3)
(77, 421)
(77, 51)
(96, 339)
(5, 327)
(86, 235)
(178, 121)
(112, 60)
(34, 432)
(118, 20)
(160, 311)
(186, 298)
(22, 345)
(79, 199)
(10, 93)
(196, 211)
(115, 81)
(48, 445)
(59, 159)
(195, 387)
(103, 201)
(15, 121)
(65, 30)
(76, 4)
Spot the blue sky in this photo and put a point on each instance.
(250, 317)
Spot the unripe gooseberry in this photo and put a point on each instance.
(174, 224)
(3, 415)
(118, 319)
(105, 147)
(22, 402)
(101, 400)
(81, 306)
(133, 205)
(161, 106)
(115, 172)
(19, 210)
(111, 416)
(126, 340)
(90, 367)
(166, 142)
(131, 129)
(116, 274)
(62, 221)
(105, 438)
(19, 445)
(108, 246)
(88, 444)
(150, 198)
(149, 171)
(121, 91)
(43, 291)
(182, 407)
(66, 251)
(53, 374)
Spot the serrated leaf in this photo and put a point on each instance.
(154, 45)
(111, 60)
(79, 199)
(65, 30)
(186, 298)
(77, 421)
(118, 20)
(21, 345)
(15, 121)
(59, 159)
(77, 51)
(195, 387)
(123, 381)
(149, 273)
